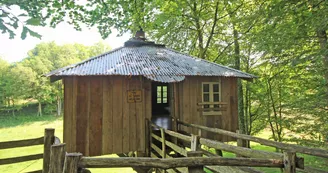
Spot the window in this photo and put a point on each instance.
(211, 92)
(161, 94)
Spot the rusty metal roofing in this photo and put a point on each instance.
(156, 63)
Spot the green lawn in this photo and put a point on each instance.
(24, 127)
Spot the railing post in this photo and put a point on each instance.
(289, 162)
(195, 169)
(194, 142)
(57, 158)
(163, 143)
(49, 137)
(71, 162)
(148, 137)
(175, 129)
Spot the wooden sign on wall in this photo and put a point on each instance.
(134, 96)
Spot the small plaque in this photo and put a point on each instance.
(134, 96)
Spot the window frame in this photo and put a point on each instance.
(161, 96)
(211, 97)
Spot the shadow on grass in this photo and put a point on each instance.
(13, 121)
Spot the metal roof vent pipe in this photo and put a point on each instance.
(140, 35)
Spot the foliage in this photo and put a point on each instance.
(284, 43)
(24, 14)
(24, 80)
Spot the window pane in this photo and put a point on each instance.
(206, 87)
(159, 100)
(164, 88)
(164, 100)
(206, 106)
(206, 97)
(164, 93)
(215, 87)
(216, 97)
(159, 94)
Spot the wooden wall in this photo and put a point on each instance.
(98, 118)
(189, 92)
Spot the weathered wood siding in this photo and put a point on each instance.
(98, 118)
(189, 92)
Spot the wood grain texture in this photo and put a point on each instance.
(82, 115)
(125, 111)
(95, 117)
(168, 163)
(107, 128)
(21, 143)
(117, 115)
(68, 104)
(74, 114)
(20, 159)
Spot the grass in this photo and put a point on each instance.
(24, 127)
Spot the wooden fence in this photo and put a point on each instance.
(188, 156)
(247, 152)
(47, 140)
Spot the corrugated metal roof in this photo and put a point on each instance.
(154, 62)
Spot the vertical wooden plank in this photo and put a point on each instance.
(117, 115)
(193, 103)
(125, 111)
(82, 115)
(186, 102)
(163, 143)
(95, 118)
(68, 94)
(133, 85)
(233, 105)
(145, 113)
(289, 162)
(74, 115)
(87, 144)
(107, 127)
(201, 119)
(225, 92)
(195, 169)
(49, 138)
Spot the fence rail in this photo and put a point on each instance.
(21, 143)
(47, 140)
(256, 153)
(284, 146)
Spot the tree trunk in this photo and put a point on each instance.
(59, 106)
(323, 41)
(241, 117)
(39, 110)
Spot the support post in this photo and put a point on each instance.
(49, 138)
(175, 129)
(289, 162)
(195, 169)
(194, 142)
(71, 162)
(163, 143)
(147, 138)
(57, 158)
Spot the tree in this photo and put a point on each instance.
(46, 57)
(35, 13)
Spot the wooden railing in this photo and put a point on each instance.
(247, 152)
(47, 140)
(288, 160)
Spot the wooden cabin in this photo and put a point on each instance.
(108, 98)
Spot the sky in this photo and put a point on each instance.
(13, 50)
